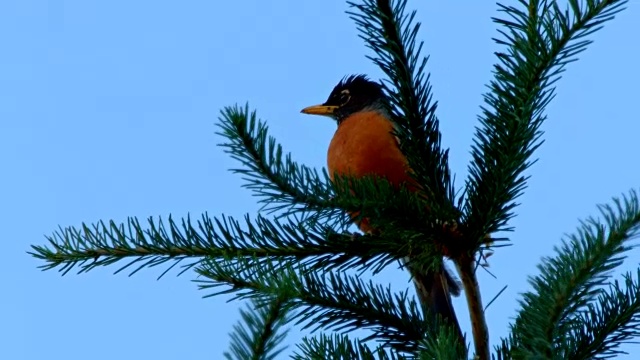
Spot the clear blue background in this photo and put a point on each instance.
(108, 110)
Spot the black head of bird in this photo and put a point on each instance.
(352, 94)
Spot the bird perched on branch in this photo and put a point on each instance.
(364, 145)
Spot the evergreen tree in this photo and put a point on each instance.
(296, 262)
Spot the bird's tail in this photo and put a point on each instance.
(434, 289)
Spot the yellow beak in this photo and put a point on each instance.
(319, 110)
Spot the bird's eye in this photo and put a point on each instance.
(345, 96)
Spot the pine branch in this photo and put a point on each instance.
(540, 39)
(329, 301)
(313, 245)
(443, 346)
(391, 34)
(467, 269)
(338, 347)
(278, 181)
(258, 336)
(613, 319)
(572, 280)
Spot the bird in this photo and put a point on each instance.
(364, 145)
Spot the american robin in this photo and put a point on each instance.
(364, 145)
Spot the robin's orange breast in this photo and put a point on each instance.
(364, 145)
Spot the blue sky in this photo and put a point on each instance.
(108, 110)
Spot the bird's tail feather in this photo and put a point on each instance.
(434, 289)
